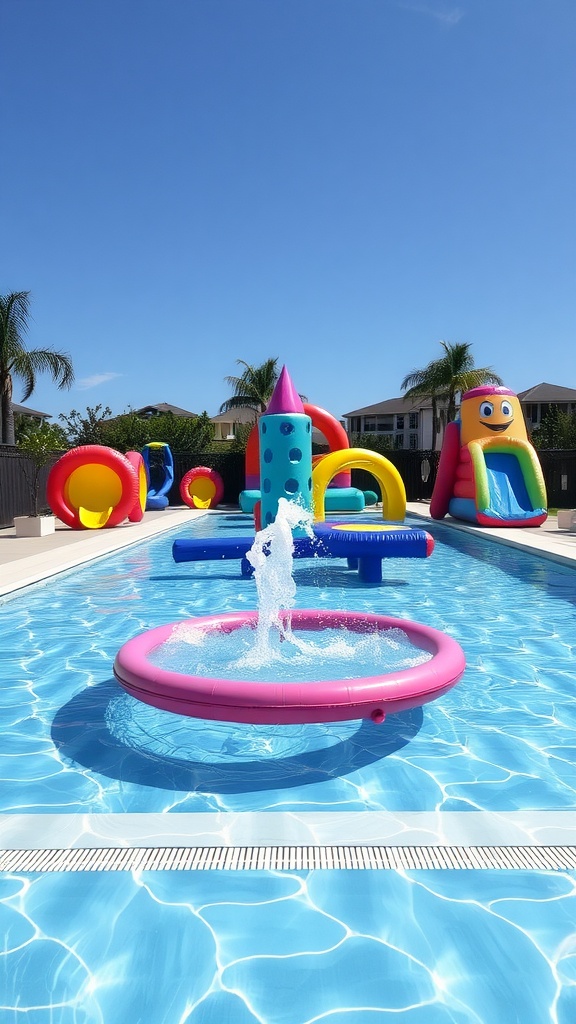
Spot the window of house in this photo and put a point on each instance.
(370, 424)
(385, 424)
(355, 425)
(413, 421)
(399, 440)
(400, 421)
(414, 442)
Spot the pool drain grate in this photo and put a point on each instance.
(291, 858)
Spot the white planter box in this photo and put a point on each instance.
(567, 519)
(34, 526)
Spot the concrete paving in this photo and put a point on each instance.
(547, 540)
(26, 560)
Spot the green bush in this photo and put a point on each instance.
(380, 443)
(40, 445)
(130, 432)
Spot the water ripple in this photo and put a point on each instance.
(420, 947)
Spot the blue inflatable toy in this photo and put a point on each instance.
(160, 472)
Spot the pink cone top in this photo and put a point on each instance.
(285, 398)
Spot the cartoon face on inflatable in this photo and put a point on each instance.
(491, 412)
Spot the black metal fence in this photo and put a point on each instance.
(417, 469)
(559, 469)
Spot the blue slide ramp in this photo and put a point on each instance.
(507, 487)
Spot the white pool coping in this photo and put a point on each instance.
(287, 828)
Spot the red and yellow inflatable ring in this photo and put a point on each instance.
(92, 486)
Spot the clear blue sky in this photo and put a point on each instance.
(339, 183)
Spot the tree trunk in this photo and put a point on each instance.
(7, 435)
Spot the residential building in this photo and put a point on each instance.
(30, 414)
(226, 423)
(537, 401)
(407, 422)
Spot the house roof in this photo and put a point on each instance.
(25, 410)
(548, 393)
(391, 405)
(245, 415)
(162, 407)
(240, 415)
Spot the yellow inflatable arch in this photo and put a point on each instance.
(391, 483)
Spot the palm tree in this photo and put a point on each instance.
(18, 361)
(444, 378)
(253, 389)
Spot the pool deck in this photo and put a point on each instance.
(546, 540)
(26, 560)
(167, 839)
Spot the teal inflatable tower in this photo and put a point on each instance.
(285, 451)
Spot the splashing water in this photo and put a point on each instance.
(250, 653)
(335, 654)
(271, 557)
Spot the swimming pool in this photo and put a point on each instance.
(287, 946)
(503, 740)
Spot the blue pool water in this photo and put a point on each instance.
(503, 739)
(340, 947)
(290, 947)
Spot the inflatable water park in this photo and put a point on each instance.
(340, 496)
(287, 471)
(290, 520)
(488, 474)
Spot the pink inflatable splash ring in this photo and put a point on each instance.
(276, 703)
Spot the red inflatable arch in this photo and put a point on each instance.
(333, 431)
(139, 466)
